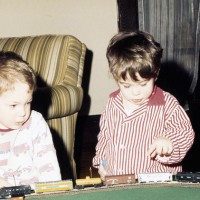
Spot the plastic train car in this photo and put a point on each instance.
(14, 191)
(120, 179)
(154, 177)
(53, 186)
(81, 183)
(187, 177)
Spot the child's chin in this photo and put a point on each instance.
(16, 126)
(138, 103)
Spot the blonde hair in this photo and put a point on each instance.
(14, 69)
(134, 52)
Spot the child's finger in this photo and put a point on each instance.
(165, 150)
(159, 150)
(102, 172)
(152, 151)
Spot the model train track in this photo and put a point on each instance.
(186, 179)
(113, 187)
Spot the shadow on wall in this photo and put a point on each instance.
(191, 162)
(41, 102)
(84, 111)
(63, 160)
(42, 97)
(176, 80)
(85, 83)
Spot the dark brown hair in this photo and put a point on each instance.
(134, 52)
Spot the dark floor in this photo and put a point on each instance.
(191, 161)
(85, 142)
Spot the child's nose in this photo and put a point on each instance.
(135, 91)
(22, 111)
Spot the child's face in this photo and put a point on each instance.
(136, 92)
(15, 106)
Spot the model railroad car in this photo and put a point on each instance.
(120, 179)
(87, 182)
(155, 177)
(53, 186)
(15, 191)
(193, 177)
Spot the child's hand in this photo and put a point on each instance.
(162, 146)
(4, 183)
(102, 172)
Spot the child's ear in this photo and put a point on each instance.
(157, 74)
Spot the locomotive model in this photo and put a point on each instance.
(15, 191)
(187, 177)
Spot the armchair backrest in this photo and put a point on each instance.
(56, 58)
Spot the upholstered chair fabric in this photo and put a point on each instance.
(58, 61)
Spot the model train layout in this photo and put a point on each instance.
(67, 185)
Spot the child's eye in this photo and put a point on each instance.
(126, 86)
(143, 84)
(13, 106)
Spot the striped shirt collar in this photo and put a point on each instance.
(157, 97)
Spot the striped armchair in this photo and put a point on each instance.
(58, 61)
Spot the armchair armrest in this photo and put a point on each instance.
(48, 100)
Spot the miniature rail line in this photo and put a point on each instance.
(114, 187)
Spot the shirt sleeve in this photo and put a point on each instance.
(102, 141)
(179, 130)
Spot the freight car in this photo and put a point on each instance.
(154, 177)
(120, 179)
(53, 186)
(87, 182)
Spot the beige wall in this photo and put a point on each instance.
(94, 22)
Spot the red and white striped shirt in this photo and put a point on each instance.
(123, 140)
